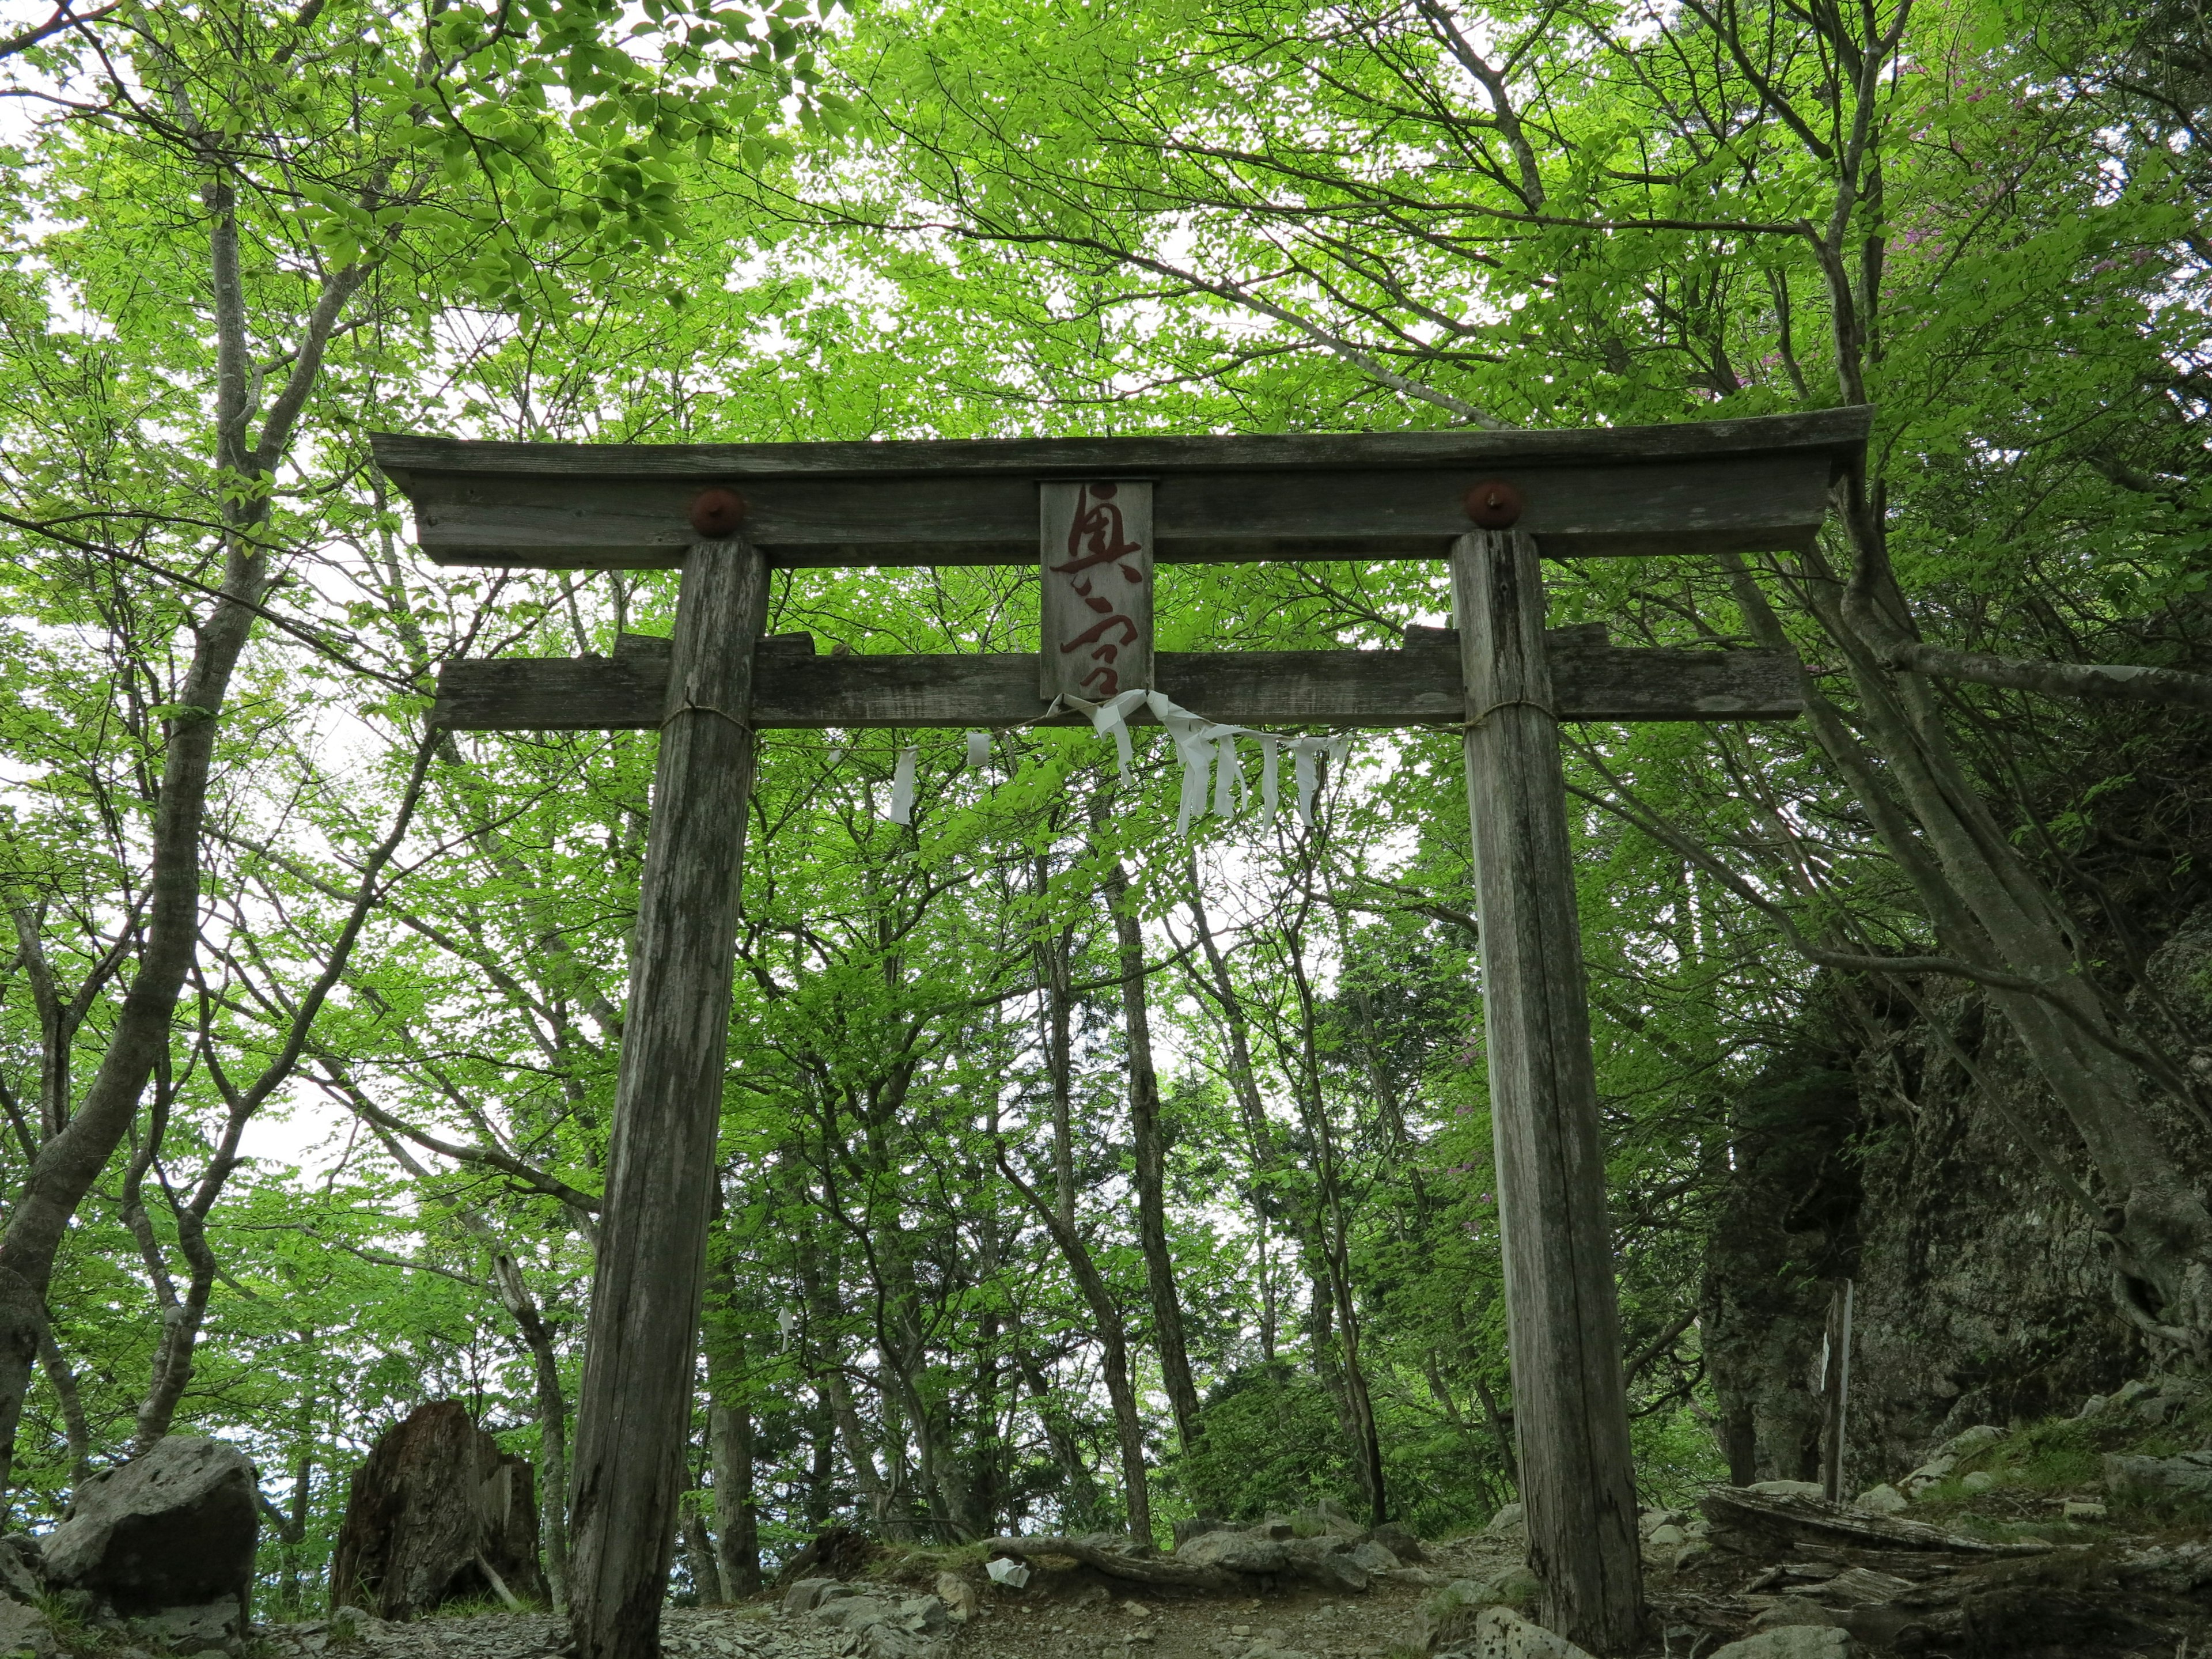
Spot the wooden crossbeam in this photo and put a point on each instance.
(1717, 486)
(1417, 686)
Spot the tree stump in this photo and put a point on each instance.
(438, 1514)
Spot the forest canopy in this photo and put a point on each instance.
(1074, 1174)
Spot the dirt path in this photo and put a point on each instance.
(1074, 1612)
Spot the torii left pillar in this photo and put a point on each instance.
(651, 1266)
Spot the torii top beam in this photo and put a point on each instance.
(1754, 485)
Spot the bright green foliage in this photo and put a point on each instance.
(1010, 218)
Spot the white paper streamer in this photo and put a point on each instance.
(1228, 777)
(902, 807)
(1208, 752)
(1305, 752)
(979, 750)
(1110, 719)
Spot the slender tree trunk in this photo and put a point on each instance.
(1114, 1351)
(1080, 1502)
(729, 1424)
(63, 1380)
(71, 1160)
(1990, 909)
(1149, 1139)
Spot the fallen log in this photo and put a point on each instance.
(1142, 1569)
(1783, 1519)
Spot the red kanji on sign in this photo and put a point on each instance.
(1097, 570)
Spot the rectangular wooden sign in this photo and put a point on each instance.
(1095, 571)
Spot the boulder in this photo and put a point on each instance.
(25, 1629)
(1511, 1518)
(1884, 1499)
(855, 1612)
(958, 1596)
(1399, 1541)
(1788, 1488)
(174, 1528)
(1374, 1557)
(1502, 1633)
(809, 1593)
(1967, 1441)
(23, 1572)
(1792, 1641)
(2188, 1475)
(438, 1514)
(1239, 1551)
(1329, 1561)
(1447, 1616)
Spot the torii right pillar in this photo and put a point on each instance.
(1563, 1318)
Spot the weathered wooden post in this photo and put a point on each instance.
(1563, 1321)
(650, 1267)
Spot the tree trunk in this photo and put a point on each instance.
(436, 1514)
(1990, 910)
(1114, 1350)
(1150, 1139)
(72, 1159)
(635, 1402)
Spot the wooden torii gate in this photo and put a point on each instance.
(1095, 514)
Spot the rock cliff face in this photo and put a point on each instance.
(1888, 1145)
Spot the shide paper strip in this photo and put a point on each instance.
(1212, 775)
(902, 807)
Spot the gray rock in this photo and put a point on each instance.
(1447, 1616)
(1374, 1557)
(957, 1595)
(25, 1629)
(1792, 1641)
(2168, 1570)
(1399, 1541)
(188, 1629)
(1512, 1516)
(1667, 1537)
(1239, 1551)
(808, 1594)
(1799, 1609)
(2189, 1474)
(174, 1528)
(1970, 1440)
(1884, 1499)
(1502, 1633)
(1790, 1488)
(1328, 1561)
(855, 1612)
(922, 1613)
(19, 1580)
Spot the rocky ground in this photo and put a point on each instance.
(2089, 1537)
(1066, 1608)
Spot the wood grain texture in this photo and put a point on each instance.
(1095, 586)
(1824, 430)
(1563, 1324)
(1738, 486)
(634, 1408)
(1419, 685)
